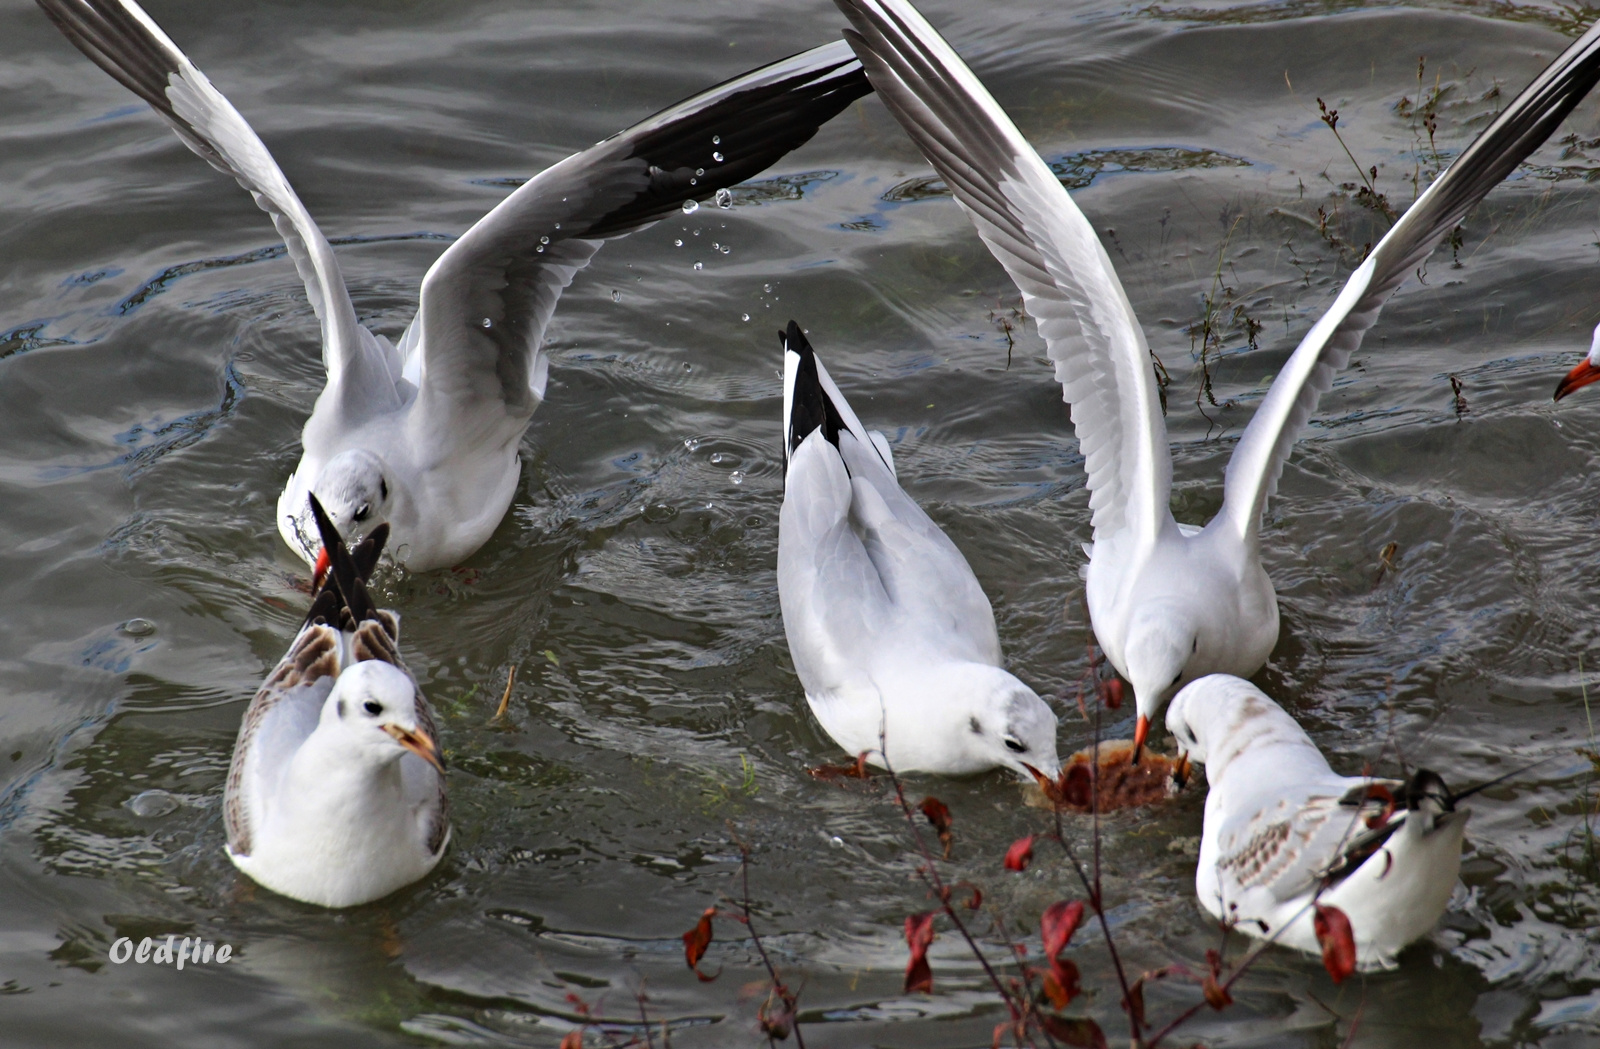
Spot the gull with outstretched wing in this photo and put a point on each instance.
(424, 435)
(1169, 602)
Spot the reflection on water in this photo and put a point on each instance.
(158, 357)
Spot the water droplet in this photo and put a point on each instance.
(717, 157)
(138, 628)
(696, 233)
(539, 249)
(616, 296)
(737, 477)
(658, 512)
(716, 140)
(836, 841)
(725, 249)
(745, 317)
(678, 242)
(691, 443)
(715, 246)
(767, 288)
(724, 199)
(699, 265)
(544, 240)
(152, 803)
(699, 172)
(691, 206)
(487, 323)
(558, 225)
(723, 458)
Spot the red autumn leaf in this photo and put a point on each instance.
(573, 1039)
(695, 942)
(1217, 996)
(1059, 921)
(976, 899)
(578, 1003)
(919, 934)
(1020, 854)
(1111, 693)
(1060, 982)
(1074, 1030)
(938, 814)
(1338, 942)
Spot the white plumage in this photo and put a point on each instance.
(1283, 830)
(890, 632)
(1169, 602)
(425, 435)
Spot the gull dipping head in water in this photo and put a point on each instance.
(1169, 602)
(1587, 371)
(336, 792)
(424, 435)
(1284, 833)
(890, 632)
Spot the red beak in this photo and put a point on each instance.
(1577, 378)
(319, 573)
(1140, 731)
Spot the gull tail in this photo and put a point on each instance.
(812, 400)
(344, 592)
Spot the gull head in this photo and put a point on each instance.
(373, 705)
(997, 721)
(1161, 641)
(1587, 371)
(354, 490)
(1217, 718)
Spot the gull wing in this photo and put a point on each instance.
(282, 714)
(487, 300)
(1522, 127)
(1047, 246)
(121, 39)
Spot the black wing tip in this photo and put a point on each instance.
(346, 584)
(810, 406)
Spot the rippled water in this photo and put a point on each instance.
(158, 357)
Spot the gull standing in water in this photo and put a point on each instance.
(1284, 833)
(1168, 602)
(891, 635)
(336, 792)
(424, 435)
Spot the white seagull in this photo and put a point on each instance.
(424, 435)
(1169, 602)
(336, 792)
(1283, 831)
(892, 636)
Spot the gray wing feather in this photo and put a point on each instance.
(1531, 117)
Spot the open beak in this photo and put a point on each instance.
(320, 572)
(1579, 377)
(1140, 732)
(419, 743)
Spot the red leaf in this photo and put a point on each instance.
(1338, 942)
(938, 814)
(1060, 982)
(573, 1039)
(578, 1003)
(1059, 921)
(1020, 854)
(1217, 996)
(1111, 693)
(1074, 1030)
(919, 934)
(695, 942)
(976, 899)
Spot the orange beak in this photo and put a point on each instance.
(1140, 732)
(1579, 377)
(319, 573)
(419, 743)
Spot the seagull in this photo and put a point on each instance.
(336, 791)
(1169, 602)
(891, 635)
(1285, 833)
(1587, 371)
(424, 435)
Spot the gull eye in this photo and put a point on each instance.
(1016, 746)
(364, 512)
(372, 707)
